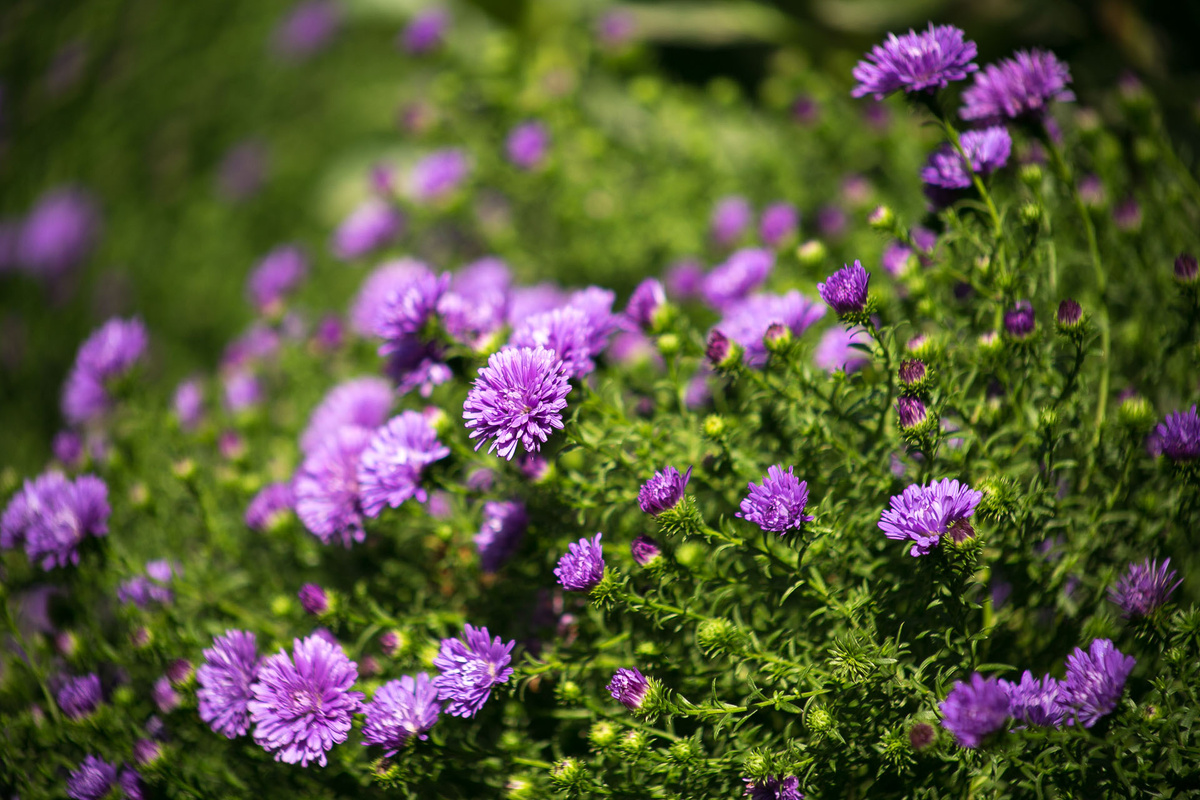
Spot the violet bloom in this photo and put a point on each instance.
(740, 274)
(269, 507)
(1020, 321)
(645, 551)
(774, 787)
(390, 469)
(846, 290)
(326, 488)
(685, 279)
(517, 399)
(730, 219)
(778, 504)
(1019, 87)
(91, 780)
(164, 695)
(275, 277)
(629, 688)
(974, 709)
(368, 304)
(58, 233)
(425, 31)
(527, 144)
(374, 224)
(476, 305)
(746, 322)
(242, 391)
(470, 667)
(303, 707)
(188, 404)
(834, 352)
(582, 566)
(563, 331)
(78, 697)
(778, 223)
(359, 402)
(313, 599)
(131, 784)
(1178, 435)
(663, 491)
(401, 710)
(438, 174)
(499, 536)
(1127, 215)
(986, 150)
(1035, 701)
(926, 513)
(52, 515)
(224, 680)
(915, 62)
(307, 28)
(646, 299)
(897, 255)
(67, 448)
(108, 354)
(1144, 588)
(1095, 681)
(407, 310)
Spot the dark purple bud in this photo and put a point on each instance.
(1069, 316)
(912, 372)
(629, 687)
(921, 735)
(146, 752)
(1186, 269)
(1019, 321)
(777, 337)
(390, 642)
(313, 599)
(721, 352)
(179, 671)
(645, 551)
(912, 412)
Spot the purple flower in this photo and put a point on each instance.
(269, 507)
(1127, 215)
(582, 566)
(52, 515)
(1178, 435)
(276, 276)
(834, 352)
(1035, 701)
(477, 303)
(146, 752)
(1187, 269)
(67, 448)
(313, 599)
(1144, 588)
(517, 399)
(563, 331)
(779, 221)
(915, 62)
(1069, 314)
(360, 402)
(390, 469)
(303, 707)
(774, 787)
(1019, 321)
(58, 233)
(242, 171)
(616, 28)
(912, 412)
(307, 28)
(91, 780)
(368, 304)
(974, 709)
(646, 299)
(525, 301)
(629, 687)
(777, 505)
(142, 590)
(188, 403)
(921, 735)
(730, 218)
(685, 279)
(1095, 680)
(527, 144)
(438, 174)
(425, 31)
(926, 513)
(986, 151)
(504, 525)
(242, 390)
(326, 488)
(645, 551)
(78, 697)
(131, 784)
(746, 322)
(258, 344)
(663, 491)
(224, 682)
(109, 353)
(374, 224)
(470, 667)
(406, 311)
(415, 365)
(1021, 86)
(743, 272)
(164, 695)
(401, 710)
(846, 290)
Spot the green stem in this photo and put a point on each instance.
(952, 135)
(51, 705)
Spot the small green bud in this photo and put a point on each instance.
(714, 426)
(668, 344)
(811, 253)
(778, 338)
(521, 788)
(512, 741)
(139, 495)
(281, 605)
(757, 764)
(603, 735)
(990, 344)
(569, 775)
(648, 649)
(685, 751)
(634, 743)
(1047, 421)
(1031, 175)
(999, 497)
(123, 696)
(568, 693)
(819, 720)
(184, 468)
(1136, 414)
(923, 346)
(1031, 213)
(881, 219)
(720, 636)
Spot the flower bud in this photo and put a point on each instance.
(1019, 321)
(723, 353)
(668, 344)
(819, 720)
(568, 693)
(1047, 420)
(719, 636)
(1136, 414)
(989, 344)
(1069, 319)
(685, 751)
(314, 600)
(629, 687)
(569, 775)
(1031, 175)
(714, 426)
(912, 412)
(914, 376)
(811, 253)
(645, 551)
(923, 346)
(180, 672)
(999, 497)
(185, 468)
(1031, 213)
(146, 752)
(392, 642)
(777, 338)
(602, 735)
(633, 743)
(921, 735)
(1187, 271)
(881, 219)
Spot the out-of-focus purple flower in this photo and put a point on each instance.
(188, 404)
(131, 784)
(1021, 86)
(407, 310)
(390, 469)
(109, 353)
(499, 536)
(326, 488)
(831, 221)
(1144, 588)
(330, 333)
(685, 279)
(740, 274)
(846, 290)
(926, 513)
(368, 304)
(426, 31)
(645, 551)
(242, 171)
(52, 515)
(1035, 701)
(276, 276)
(417, 366)
(1091, 191)
(834, 352)
(774, 787)
(517, 399)
(1127, 215)
(986, 151)
(974, 709)
(778, 504)
(242, 391)
(477, 303)
(470, 667)
(141, 590)
(307, 28)
(1069, 315)
(146, 752)
(67, 67)
(164, 695)
(582, 566)
(438, 174)
(805, 109)
(1095, 681)
(1020, 321)
(91, 780)
(373, 225)
(616, 28)
(896, 255)
(58, 233)
(527, 144)
(730, 219)
(260, 343)
(563, 331)
(629, 688)
(359, 402)
(778, 223)
(78, 697)
(915, 62)
(1178, 436)
(646, 299)
(224, 679)
(746, 322)
(525, 301)
(313, 599)
(269, 507)
(231, 445)
(68, 448)
(401, 710)
(663, 491)
(1187, 269)
(302, 706)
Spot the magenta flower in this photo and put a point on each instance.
(646, 299)
(359, 402)
(846, 290)
(987, 150)
(1021, 86)
(663, 491)
(730, 218)
(1179, 435)
(426, 31)
(1095, 681)
(1144, 588)
(401, 710)
(438, 174)
(629, 687)
(224, 683)
(974, 709)
(527, 144)
(926, 513)
(470, 667)
(1035, 701)
(58, 233)
(778, 504)
(390, 469)
(373, 225)
(778, 223)
(51, 516)
(517, 399)
(740, 274)
(276, 276)
(582, 566)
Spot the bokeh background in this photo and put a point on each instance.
(202, 134)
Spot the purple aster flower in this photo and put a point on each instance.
(131, 784)
(307, 28)
(326, 488)
(109, 353)
(563, 331)
(629, 687)
(1019, 321)
(746, 322)
(91, 780)
(1021, 86)
(401, 710)
(834, 352)
(740, 274)
(393, 276)
(1095, 680)
(415, 365)
(188, 404)
(582, 566)
(360, 403)
(142, 591)
(974, 709)
(831, 221)
(926, 513)
(504, 525)
(426, 31)
(313, 599)
(645, 551)
(52, 515)
(78, 697)
(269, 507)
(242, 391)
(685, 279)
(303, 705)
(374, 224)
(846, 290)
(596, 305)
(389, 471)
(777, 505)
(527, 144)
(259, 343)
(518, 398)
(778, 223)
(477, 303)
(730, 218)
(408, 308)
(915, 62)
(1144, 588)
(242, 171)
(58, 233)
(438, 174)
(164, 695)
(224, 679)
(774, 787)
(986, 151)
(663, 491)
(470, 667)
(1035, 701)
(67, 448)
(646, 299)
(912, 372)
(1178, 436)
(525, 301)
(276, 276)
(805, 109)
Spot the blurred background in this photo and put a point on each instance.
(152, 153)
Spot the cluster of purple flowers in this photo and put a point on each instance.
(151, 588)
(747, 321)
(51, 516)
(732, 217)
(96, 778)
